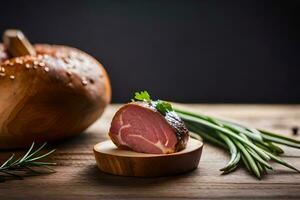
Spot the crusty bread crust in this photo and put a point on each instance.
(51, 96)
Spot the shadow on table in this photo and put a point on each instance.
(92, 173)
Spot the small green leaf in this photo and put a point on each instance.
(142, 96)
(163, 107)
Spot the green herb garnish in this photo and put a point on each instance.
(252, 147)
(142, 96)
(19, 167)
(162, 106)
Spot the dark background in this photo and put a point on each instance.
(188, 51)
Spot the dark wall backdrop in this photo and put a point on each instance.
(189, 51)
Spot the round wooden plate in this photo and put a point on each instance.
(116, 161)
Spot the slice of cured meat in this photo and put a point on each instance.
(138, 126)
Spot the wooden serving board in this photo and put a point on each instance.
(116, 161)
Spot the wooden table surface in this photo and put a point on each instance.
(77, 176)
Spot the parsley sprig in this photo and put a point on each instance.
(142, 96)
(162, 106)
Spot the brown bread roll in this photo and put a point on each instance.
(52, 95)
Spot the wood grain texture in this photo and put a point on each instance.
(77, 175)
(121, 162)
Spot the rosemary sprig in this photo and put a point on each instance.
(252, 147)
(19, 167)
